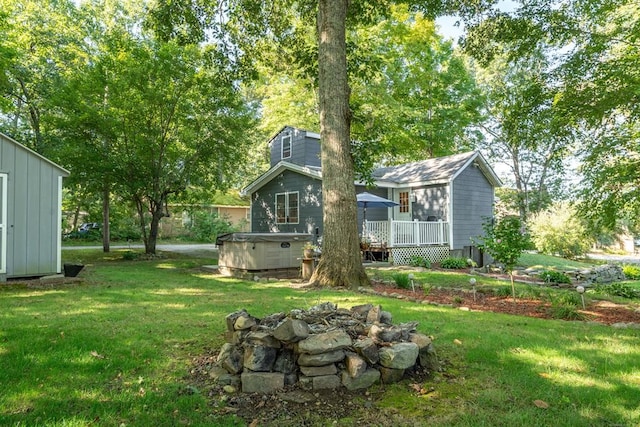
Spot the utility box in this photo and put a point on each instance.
(278, 254)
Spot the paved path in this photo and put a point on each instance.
(628, 258)
(182, 248)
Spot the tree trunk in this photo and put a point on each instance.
(106, 233)
(341, 263)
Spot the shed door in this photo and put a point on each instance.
(402, 212)
(3, 223)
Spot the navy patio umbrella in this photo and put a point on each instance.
(368, 200)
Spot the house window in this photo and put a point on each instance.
(286, 146)
(287, 208)
(403, 198)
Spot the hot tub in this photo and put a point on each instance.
(261, 252)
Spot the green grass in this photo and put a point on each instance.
(536, 260)
(117, 350)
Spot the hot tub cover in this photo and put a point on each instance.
(262, 237)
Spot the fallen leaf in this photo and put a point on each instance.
(457, 341)
(416, 387)
(97, 355)
(541, 404)
(254, 423)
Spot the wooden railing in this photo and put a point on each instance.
(406, 233)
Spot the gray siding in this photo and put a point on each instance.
(431, 201)
(305, 151)
(32, 211)
(263, 219)
(472, 203)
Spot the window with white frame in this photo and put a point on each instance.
(286, 146)
(287, 208)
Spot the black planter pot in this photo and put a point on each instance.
(72, 270)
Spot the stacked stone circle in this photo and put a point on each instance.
(321, 348)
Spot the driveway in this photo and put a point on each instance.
(200, 250)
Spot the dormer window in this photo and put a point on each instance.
(286, 146)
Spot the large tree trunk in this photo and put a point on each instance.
(341, 263)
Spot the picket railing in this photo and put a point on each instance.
(406, 233)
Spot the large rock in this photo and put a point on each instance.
(399, 356)
(324, 342)
(262, 338)
(355, 365)
(230, 358)
(390, 376)
(285, 362)
(321, 359)
(366, 380)
(318, 371)
(261, 382)
(368, 350)
(259, 358)
(291, 330)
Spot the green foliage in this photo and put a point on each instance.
(631, 271)
(454, 263)
(130, 255)
(552, 276)
(566, 312)
(402, 280)
(418, 261)
(559, 231)
(205, 227)
(502, 291)
(504, 240)
(617, 289)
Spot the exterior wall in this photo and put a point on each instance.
(263, 215)
(305, 150)
(33, 211)
(472, 202)
(431, 201)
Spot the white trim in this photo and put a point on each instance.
(59, 227)
(286, 206)
(450, 215)
(3, 222)
(313, 135)
(277, 170)
(287, 135)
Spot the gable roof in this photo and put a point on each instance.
(40, 156)
(282, 166)
(439, 170)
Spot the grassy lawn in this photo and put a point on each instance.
(116, 350)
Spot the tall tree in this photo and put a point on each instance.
(526, 131)
(596, 73)
(253, 17)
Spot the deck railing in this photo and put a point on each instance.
(406, 233)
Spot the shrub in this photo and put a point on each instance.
(205, 227)
(502, 291)
(454, 263)
(631, 271)
(617, 289)
(552, 276)
(402, 280)
(566, 312)
(418, 261)
(558, 231)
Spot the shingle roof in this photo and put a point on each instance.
(440, 169)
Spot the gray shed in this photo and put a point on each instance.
(30, 212)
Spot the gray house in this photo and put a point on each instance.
(30, 212)
(441, 202)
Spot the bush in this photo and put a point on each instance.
(205, 227)
(402, 280)
(552, 276)
(632, 272)
(558, 231)
(454, 263)
(617, 289)
(418, 261)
